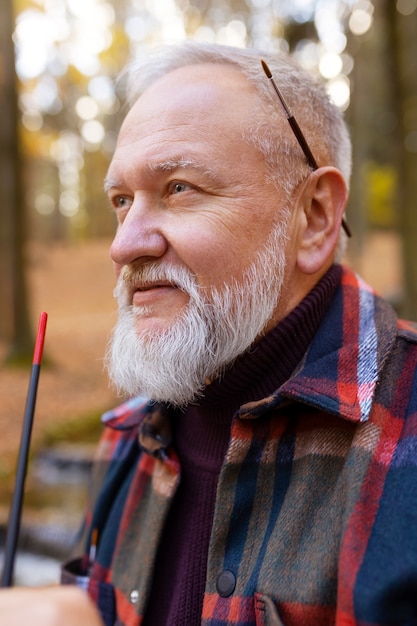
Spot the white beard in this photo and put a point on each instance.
(174, 365)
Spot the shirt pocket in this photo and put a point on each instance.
(73, 573)
(266, 613)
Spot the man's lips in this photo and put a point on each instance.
(150, 286)
(148, 293)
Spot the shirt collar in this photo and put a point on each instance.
(340, 371)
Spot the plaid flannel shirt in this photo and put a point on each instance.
(316, 510)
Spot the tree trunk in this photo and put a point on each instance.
(402, 34)
(15, 326)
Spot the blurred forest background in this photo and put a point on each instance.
(61, 109)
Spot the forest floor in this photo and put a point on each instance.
(74, 285)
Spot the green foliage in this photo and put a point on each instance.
(22, 359)
(380, 195)
(84, 428)
(18, 360)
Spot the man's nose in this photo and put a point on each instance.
(138, 237)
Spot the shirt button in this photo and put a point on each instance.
(134, 596)
(226, 583)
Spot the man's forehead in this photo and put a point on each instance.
(202, 86)
(201, 73)
(191, 103)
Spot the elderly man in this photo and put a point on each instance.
(270, 479)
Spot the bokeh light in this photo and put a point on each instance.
(86, 107)
(361, 18)
(93, 132)
(406, 7)
(44, 204)
(330, 65)
(339, 91)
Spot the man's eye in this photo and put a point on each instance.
(178, 187)
(121, 202)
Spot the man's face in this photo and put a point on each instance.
(189, 192)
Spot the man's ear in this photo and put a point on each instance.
(322, 205)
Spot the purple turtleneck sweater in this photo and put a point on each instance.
(201, 439)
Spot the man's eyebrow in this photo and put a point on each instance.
(109, 183)
(170, 165)
(211, 174)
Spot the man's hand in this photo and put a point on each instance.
(47, 606)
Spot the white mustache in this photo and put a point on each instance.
(132, 278)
